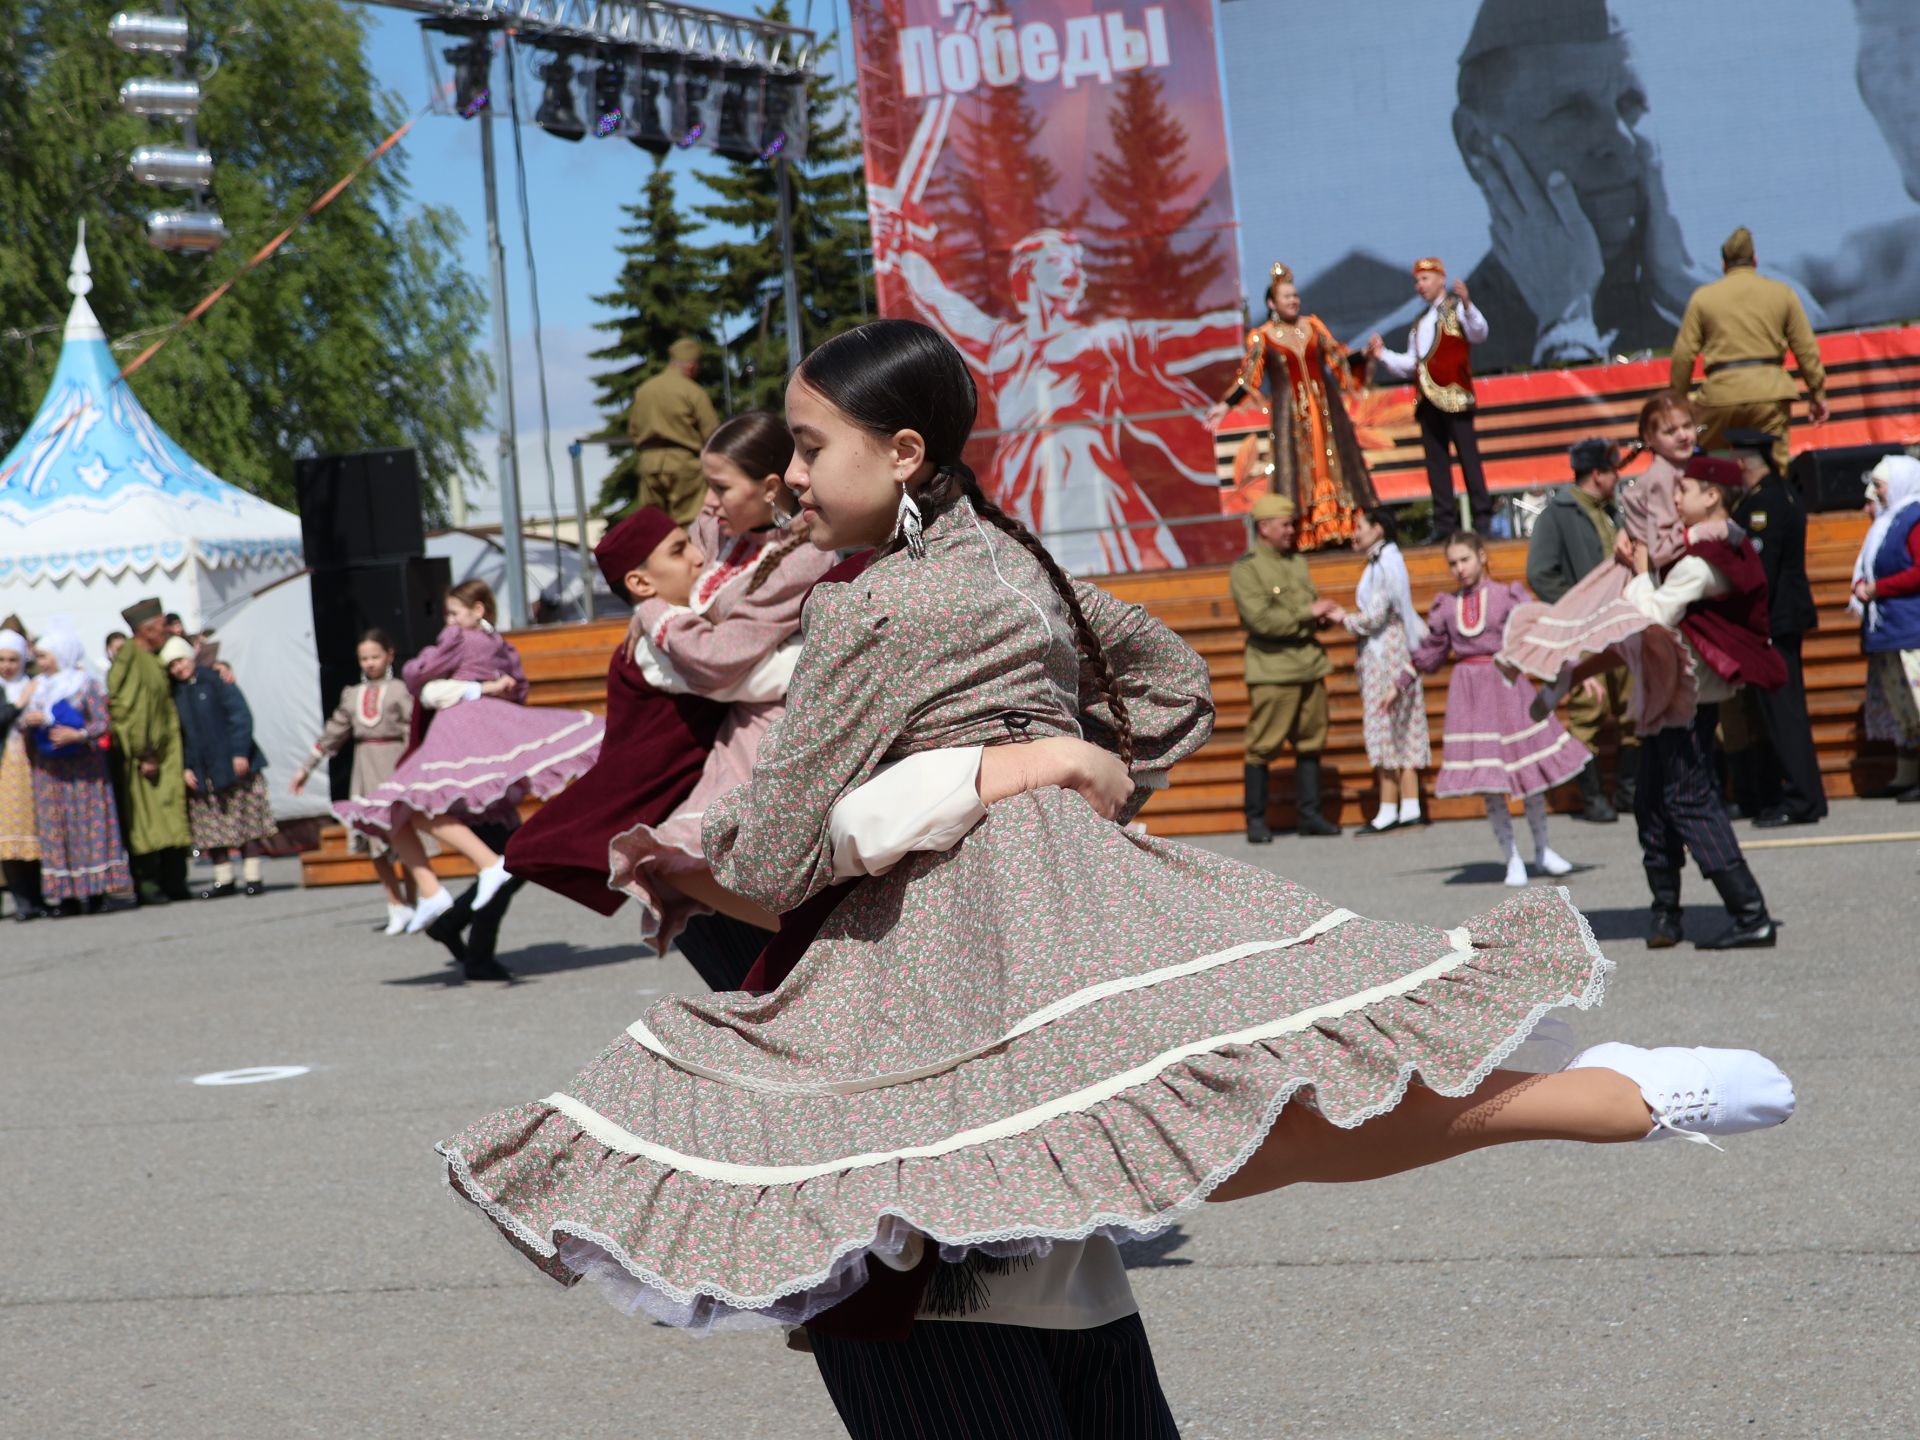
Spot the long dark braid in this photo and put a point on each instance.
(1096, 671)
(771, 558)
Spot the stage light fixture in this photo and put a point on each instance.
(175, 99)
(784, 100)
(559, 113)
(149, 34)
(186, 230)
(472, 75)
(689, 114)
(174, 169)
(609, 85)
(739, 98)
(647, 130)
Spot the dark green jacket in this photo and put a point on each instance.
(1565, 547)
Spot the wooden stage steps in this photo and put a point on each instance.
(567, 666)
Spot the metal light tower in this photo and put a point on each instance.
(196, 226)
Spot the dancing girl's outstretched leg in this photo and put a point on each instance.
(1610, 1094)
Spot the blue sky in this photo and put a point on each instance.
(574, 194)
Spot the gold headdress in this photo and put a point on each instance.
(1281, 271)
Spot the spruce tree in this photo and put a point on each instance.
(664, 291)
(830, 240)
(1138, 262)
(994, 187)
(358, 333)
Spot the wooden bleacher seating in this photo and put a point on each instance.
(567, 666)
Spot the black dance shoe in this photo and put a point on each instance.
(254, 887)
(217, 892)
(1780, 816)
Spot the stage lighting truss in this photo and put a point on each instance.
(662, 75)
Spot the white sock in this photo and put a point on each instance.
(223, 872)
(397, 917)
(491, 879)
(1537, 823)
(250, 870)
(1409, 809)
(430, 909)
(1388, 816)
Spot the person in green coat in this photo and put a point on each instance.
(1286, 666)
(152, 772)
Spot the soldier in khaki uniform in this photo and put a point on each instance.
(1741, 325)
(671, 418)
(1286, 666)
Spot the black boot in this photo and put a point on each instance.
(1626, 778)
(1306, 779)
(485, 935)
(1593, 797)
(1664, 932)
(1752, 928)
(172, 868)
(148, 888)
(24, 885)
(1256, 805)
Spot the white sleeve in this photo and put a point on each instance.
(1473, 324)
(924, 802)
(656, 669)
(766, 681)
(1397, 363)
(1689, 579)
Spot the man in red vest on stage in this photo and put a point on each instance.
(1439, 360)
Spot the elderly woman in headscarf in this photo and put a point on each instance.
(19, 834)
(1886, 597)
(227, 801)
(82, 859)
(1394, 722)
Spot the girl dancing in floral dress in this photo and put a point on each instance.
(1059, 1027)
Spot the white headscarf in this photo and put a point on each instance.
(15, 644)
(1388, 567)
(71, 678)
(1902, 476)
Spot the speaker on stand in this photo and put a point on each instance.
(1836, 479)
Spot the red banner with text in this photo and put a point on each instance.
(1050, 190)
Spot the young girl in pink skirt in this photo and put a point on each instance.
(1494, 747)
(484, 753)
(1592, 628)
(733, 635)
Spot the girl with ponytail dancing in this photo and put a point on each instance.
(1056, 1033)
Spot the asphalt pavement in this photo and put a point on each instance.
(281, 1258)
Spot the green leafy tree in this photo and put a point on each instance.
(664, 291)
(830, 241)
(356, 334)
(1139, 263)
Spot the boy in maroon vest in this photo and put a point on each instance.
(1716, 596)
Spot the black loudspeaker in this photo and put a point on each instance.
(401, 597)
(1836, 479)
(360, 508)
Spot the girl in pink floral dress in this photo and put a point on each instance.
(1055, 1029)
(734, 638)
(1494, 747)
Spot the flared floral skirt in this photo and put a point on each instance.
(1056, 1029)
(1493, 744)
(480, 759)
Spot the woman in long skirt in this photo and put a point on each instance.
(19, 835)
(227, 801)
(1057, 1028)
(1886, 597)
(82, 858)
(1394, 707)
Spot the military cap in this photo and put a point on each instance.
(1273, 507)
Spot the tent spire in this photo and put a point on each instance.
(81, 324)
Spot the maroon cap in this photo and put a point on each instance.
(628, 544)
(1714, 470)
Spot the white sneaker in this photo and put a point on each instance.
(430, 909)
(397, 918)
(1516, 870)
(1551, 862)
(1698, 1092)
(490, 881)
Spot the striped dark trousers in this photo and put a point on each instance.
(1678, 805)
(957, 1380)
